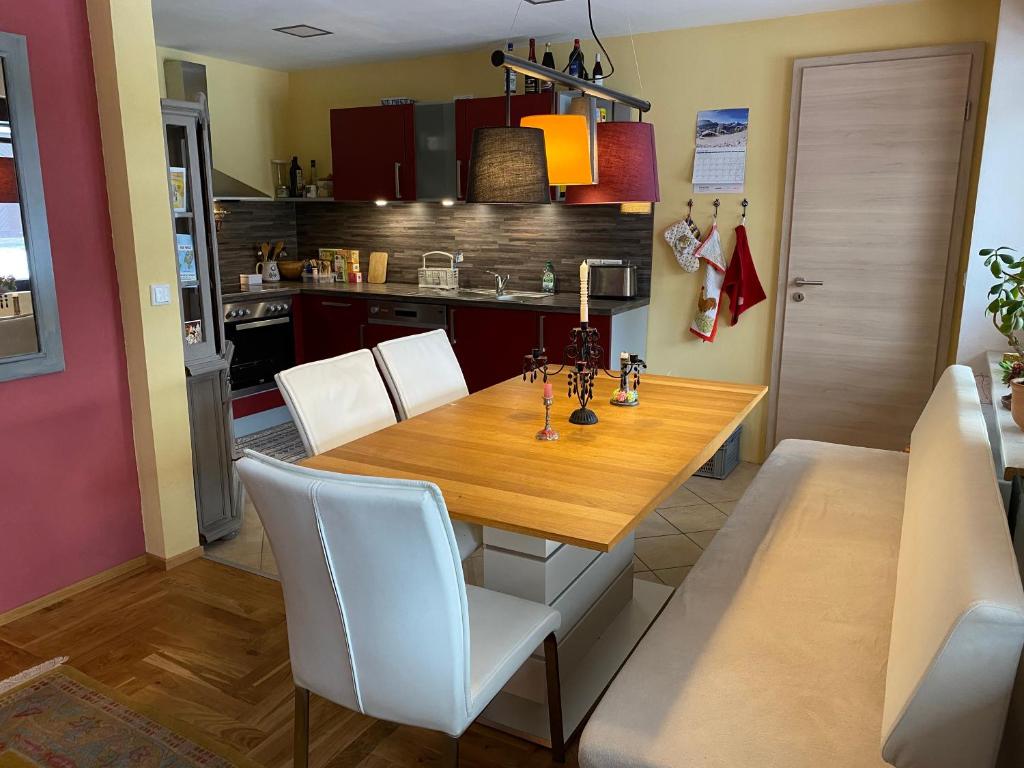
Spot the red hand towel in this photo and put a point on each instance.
(741, 284)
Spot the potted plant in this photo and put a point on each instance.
(8, 284)
(1006, 307)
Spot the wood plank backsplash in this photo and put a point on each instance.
(512, 239)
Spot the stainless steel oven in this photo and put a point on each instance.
(264, 342)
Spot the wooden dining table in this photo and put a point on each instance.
(559, 516)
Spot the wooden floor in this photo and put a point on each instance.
(207, 644)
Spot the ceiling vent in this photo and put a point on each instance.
(305, 30)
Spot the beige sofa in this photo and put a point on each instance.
(860, 607)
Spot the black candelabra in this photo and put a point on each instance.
(582, 357)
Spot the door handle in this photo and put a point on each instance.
(398, 181)
(799, 282)
(451, 326)
(458, 179)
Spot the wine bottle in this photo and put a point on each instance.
(576, 68)
(294, 174)
(510, 74)
(548, 61)
(598, 74)
(532, 84)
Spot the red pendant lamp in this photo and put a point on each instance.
(627, 167)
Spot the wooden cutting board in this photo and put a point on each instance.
(378, 271)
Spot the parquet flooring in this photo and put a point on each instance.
(207, 644)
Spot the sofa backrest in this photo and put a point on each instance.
(958, 617)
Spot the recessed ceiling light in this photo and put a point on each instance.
(304, 30)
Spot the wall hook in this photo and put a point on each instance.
(743, 219)
(689, 205)
(716, 204)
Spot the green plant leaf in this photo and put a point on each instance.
(995, 269)
(986, 252)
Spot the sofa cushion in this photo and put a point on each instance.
(958, 617)
(772, 652)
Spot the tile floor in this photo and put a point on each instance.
(668, 542)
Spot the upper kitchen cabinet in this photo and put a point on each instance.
(471, 114)
(374, 153)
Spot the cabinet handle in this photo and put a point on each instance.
(540, 328)
(362, 328)
(458, 179)
(451, 326)
(398, 181)
(334, 304)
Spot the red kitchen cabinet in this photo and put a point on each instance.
(471, 114)
(555, 328)
(374, 153)
(327, 326)
(490, 343)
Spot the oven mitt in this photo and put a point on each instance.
(705, 323)
(684, 237)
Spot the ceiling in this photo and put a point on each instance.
(364, 30)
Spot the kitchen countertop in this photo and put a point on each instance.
(559, 302)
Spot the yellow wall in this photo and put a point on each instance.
(248, 115)
(123, 50)
(737, 65)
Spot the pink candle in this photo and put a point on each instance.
(584, 279)
(549, 390)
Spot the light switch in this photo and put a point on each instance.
(160, 293)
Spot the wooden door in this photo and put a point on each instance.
(489, 112)
(373, 153)
(879, 158)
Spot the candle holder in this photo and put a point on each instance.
(583, 360)
(547, 433)
(626, 396)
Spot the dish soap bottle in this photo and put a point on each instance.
(547, 283)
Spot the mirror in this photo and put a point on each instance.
(30, 341)
(17, 318)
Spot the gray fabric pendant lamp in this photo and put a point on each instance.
(508, 165)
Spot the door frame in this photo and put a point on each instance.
(956, 240)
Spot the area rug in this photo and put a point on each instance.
(281, 442)
(53, 716)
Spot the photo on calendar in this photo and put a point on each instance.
(719, 129)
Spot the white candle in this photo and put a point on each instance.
(584, 279)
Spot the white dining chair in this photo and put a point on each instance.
(421, 371)
(337, 400)
(380, 619)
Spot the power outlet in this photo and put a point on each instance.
(159, 294)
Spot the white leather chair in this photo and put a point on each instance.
(337, 400)
(421, 371)
(380, 619)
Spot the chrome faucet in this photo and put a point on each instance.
(499, 282)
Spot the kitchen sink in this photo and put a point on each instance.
(488, 293)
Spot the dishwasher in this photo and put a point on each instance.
(394, 319)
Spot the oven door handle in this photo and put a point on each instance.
(262, 323)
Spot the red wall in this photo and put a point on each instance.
(69, 495)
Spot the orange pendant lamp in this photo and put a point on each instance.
(627, 167)
(566, 146)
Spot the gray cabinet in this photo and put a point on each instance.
(207, 356)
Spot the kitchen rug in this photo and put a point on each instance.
(61, 718)
(280, 442)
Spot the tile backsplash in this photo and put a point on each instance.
(512, 239)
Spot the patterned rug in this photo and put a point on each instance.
(281, 442)
(62, 719)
